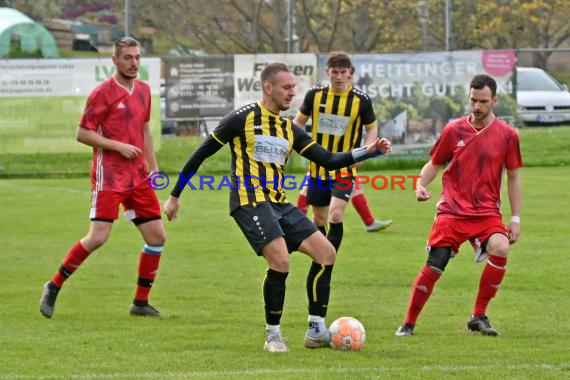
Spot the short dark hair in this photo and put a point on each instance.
(270, 71)
(338, 59)
(122, 43)
(480, 81)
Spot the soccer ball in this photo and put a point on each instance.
(347, 334)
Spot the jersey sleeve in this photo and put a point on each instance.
(442, 151)
(95, 111)
(229, 127)
(301, 140)
(307, 106)
(514, 158)
(367, 111)
(306, 147)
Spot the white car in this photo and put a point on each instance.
(541, 99)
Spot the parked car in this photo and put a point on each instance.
(541, 99)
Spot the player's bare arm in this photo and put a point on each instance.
(88, 137)
(428, 173)
(371, 135)
(515, 190)
(149, 150)
(300, 120)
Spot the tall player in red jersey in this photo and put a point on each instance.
(115, 123)
(477, 149)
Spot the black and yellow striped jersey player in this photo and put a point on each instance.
(339, 114)
(261, 141)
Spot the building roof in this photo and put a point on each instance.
(10, 17)
(32, 36)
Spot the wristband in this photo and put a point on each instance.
(516, 219)
(360, 154)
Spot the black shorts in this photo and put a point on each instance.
(323, 190)
(267, 221)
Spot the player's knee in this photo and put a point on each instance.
(280, 265)
(157, 238)
(327, 254)
(498, 247)
(336, 215)
(95, 240)
(319, 220)
(438, 258)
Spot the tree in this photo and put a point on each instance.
(252, 26)
(37, 9)
(503, 24)
(358, 25)
(549, 26)
(231, 26)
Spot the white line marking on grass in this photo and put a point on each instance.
(274, 371)
(42, 188)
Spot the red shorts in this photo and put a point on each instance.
(452, 232)
(139, 203)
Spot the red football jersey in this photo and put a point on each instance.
(118, 114)
(477, 161)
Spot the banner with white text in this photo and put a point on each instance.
(198, 87)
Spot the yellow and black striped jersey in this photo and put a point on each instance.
(337, 121)
(261, 143)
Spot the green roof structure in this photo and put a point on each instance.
(16, 26)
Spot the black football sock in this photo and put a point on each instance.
(319, 288)
(335, 234)
(274, 295)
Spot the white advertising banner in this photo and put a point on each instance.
(430, 74)
(247, 82)
(65, 77)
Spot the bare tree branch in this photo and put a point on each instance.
(335, 24)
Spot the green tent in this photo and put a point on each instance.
(16, 27)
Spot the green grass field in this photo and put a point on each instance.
(32, 125)
(209, 292)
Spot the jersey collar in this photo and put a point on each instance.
(348, 89)
(477, 131)
(126, 89)
(267, 109)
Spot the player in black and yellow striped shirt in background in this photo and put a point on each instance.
(339, 114)
(358, 199)
(261, 141)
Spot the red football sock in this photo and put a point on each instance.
(361, 205)
(72, 260)
(491, 278)
(148, 267)
(302, 203)
(421, 290)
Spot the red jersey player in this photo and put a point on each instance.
(477, 149)
(115, 124)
